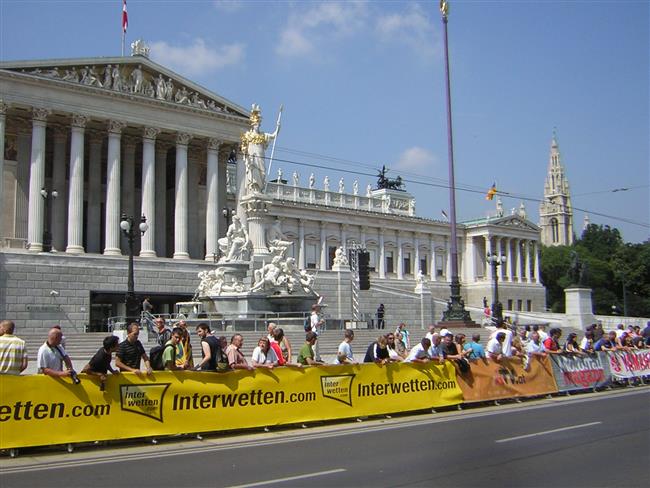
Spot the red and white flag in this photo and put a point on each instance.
(125, 17)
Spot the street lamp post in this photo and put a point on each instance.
(130, 231)
(455, 307)
(496, 260)
(49, 197)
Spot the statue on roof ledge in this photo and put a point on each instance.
(139, 48)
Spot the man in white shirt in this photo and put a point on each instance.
(535, 347)
(435, 349)
(494, 348)
(420, 353)
(430, 332)
(344, 353)
(51, 356)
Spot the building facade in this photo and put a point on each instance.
(86, 141)
(556, 212)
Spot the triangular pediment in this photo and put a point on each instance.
(514, 221)
(133, 75)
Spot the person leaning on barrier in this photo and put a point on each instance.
(51, 356)
(100, 364)
(13, 353)
(131, 352)
(535, 346)
(552, 342)
(587, 342)
(210, 348)
(393, 353)
(306, 354)
(474, 348)
(435, 348)
(606, 342)
(420, 352)
(571, 344)
(344, 352)
(377, 351)
(494, 347)
(236, 359)
(263, 355)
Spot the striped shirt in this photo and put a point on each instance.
(12, 354)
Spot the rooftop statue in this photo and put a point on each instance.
(385, 183)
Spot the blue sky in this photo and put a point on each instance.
(362, 84)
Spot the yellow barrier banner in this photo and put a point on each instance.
(509, 378)
(39, 410)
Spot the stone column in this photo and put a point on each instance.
(23, 147)
(491, 250)
(148, 240)
(113, 160)
(37, 181)
(504, 266)
(382, 254)
(180, 206)
(76, 185)
(161, 199)
(301, 244)
(509, 260)
(323, 247)
(59, 203)
(94, 208)
(344, 236)
(362, 235)
(538, 276)
(527, 249)
(400, 257)
(3, 118)
(432, 266)
(212, 200)
(416, 255)
(517, 259)
(470, 270)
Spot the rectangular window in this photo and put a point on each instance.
(407, 263)
(332, 253)
(440, 265)
(529, 305)
(372, 262)
(389, 261)
(423, 266)
(519, 305)
(509, 304)
(310, 257)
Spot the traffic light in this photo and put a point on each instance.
(364, 273)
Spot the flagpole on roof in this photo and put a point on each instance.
(125, 23)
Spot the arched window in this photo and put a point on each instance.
(555, 231)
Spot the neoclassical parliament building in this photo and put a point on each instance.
(85, 141)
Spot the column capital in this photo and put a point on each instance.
(213, 144)
(183, 139)
(322, 224)
(116, 126)
(3, 107)
(79, 121)
(40, 114)
(150, 133)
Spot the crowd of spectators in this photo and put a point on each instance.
(274, 349)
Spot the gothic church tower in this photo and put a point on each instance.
(555, 212)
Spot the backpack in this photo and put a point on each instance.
(156, 356)
(307, 324)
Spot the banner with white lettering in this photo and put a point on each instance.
(579, 372)
(629, 364)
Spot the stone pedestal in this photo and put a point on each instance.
(256, 207)
(579, 308)
(425, 305)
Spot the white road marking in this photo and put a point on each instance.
(547, 432)
(290, 478)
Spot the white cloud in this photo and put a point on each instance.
(412, 27)
(416, 159)
(228, 5)
(308, 28)
(197, 58)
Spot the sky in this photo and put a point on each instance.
(363, 85)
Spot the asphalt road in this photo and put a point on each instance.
(586, 440)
